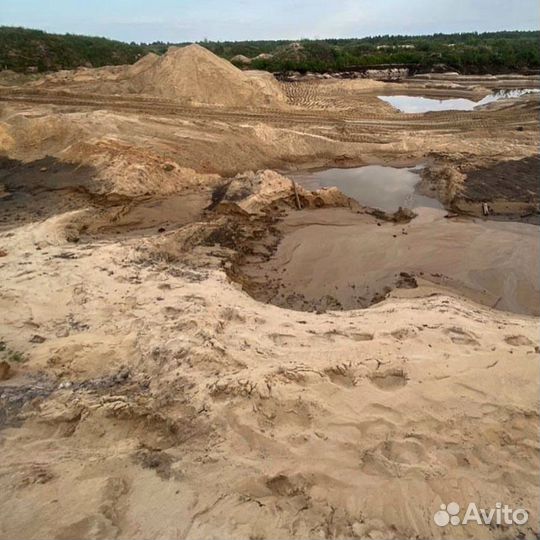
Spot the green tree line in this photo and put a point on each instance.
(26, 50)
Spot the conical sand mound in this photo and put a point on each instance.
(198, 76)
(189, 74)
(142, 65)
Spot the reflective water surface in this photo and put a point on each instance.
(418, 104)
(386, 188)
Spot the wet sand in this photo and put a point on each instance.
(332, 259)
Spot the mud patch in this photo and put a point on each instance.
(510, 188)
(334, 259)
(15, 398)
(515, 180)
(41, 189)
(519, 341)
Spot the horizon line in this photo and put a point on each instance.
(205, 40)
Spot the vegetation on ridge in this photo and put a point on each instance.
(26, 50)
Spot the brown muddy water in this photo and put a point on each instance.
(335, 259)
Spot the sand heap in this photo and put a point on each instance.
(240, 59)
(254, 193)
(141, 65)
(196, 75)
(189, 74)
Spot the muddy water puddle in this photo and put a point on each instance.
(334, 259)
(419, 104)
(376, 186)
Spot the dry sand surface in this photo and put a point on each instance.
(146, 390)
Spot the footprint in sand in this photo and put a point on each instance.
(356, 336)
(230, 314)
(282, 485)
(403, 333)
(342, 376)
(518, 341)
(461, 337)
(361, 336)
(282, 339)
(397, 456)
(391, 379)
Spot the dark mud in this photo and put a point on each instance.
(41, 189)
(516, 180)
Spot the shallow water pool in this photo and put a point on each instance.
(386, 188)
(419, 104)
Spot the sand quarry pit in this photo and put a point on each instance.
(184, 353)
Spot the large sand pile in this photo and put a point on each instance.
(195, 74)
(190, 74)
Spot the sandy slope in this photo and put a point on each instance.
(194, 411)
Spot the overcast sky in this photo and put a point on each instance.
(194, 20)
